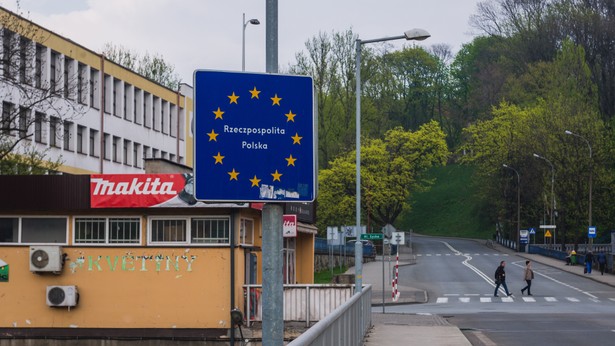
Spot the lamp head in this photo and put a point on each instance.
(505, 165)
(416, 34)
(568, 132)
(536, 155)
(236, 317)
(254, 21)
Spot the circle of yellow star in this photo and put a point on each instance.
(254, 93)
(218, 113)
(218, 158)
(290, 116)
(233, 174)
(296, 138)
(276, 100)
(213, 136)
(255, 181)
(276, 175)
(291, 160)
(233, 98)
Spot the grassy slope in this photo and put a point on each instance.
(449, 208)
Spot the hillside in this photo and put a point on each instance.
(449, 208)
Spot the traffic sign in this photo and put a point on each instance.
(523, 236)
(548, 234)
(547, 226)
(591, 232)
(372, 236)
(397, 238)
(254, 137)
(532, 230)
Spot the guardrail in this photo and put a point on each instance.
(345, 326)
(321, 247)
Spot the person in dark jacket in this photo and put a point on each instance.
(602, 262)
(589, 261)
(500, 279)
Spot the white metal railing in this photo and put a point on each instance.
(309, 303)
(345, 326)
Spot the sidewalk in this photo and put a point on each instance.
(389, 329)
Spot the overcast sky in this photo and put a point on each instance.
(206, 34)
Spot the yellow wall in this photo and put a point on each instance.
(122, 288)
(305, 258)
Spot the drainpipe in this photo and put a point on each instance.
(102, 112)
(177, 138)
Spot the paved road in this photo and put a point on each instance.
(565, 309)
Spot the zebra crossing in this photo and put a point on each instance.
(460, 254)
(475, 298)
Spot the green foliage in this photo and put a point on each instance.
(30, 162)
(326, 277)
(391, 168)
(450, 208)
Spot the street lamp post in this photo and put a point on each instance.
(253, 21)
(414, 34)
(518, 204)
(591, 240)
(552, 193)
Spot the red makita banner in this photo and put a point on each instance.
(141, 190)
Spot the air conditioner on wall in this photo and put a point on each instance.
(46, 259)
(62, 296)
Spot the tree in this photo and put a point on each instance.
(29, 93)
(391, 168)
(151, 66)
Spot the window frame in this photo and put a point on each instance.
(188, 231)
(107, 230)
(242, 232)
(20, 229)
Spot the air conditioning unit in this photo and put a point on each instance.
(46, 259)
(62, 296)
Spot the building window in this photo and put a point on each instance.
(68, 135)
(94, 91)
(38, 68)
(155, 154)
(93, 141)
(117, 89)
(67, 69)
(289, 261)
(7, 53)
(126, 152)
(80, 138)
(136, 117)
(81, 70)
(197, 230)
(168, 231)
(135, 154)
(54, 131)
(39, 134)
(51, 230)
(107, 101)
(246, 232)
(116, 149)
(145, 154)
(105, 146)
(102, 230)
(53, 72)
(7, 117)
(23, 59)
(9, 230)
(23, 122)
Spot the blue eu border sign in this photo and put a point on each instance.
(254, 137)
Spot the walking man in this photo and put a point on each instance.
(589, 260)
(528, 276)
(500, 279)
(601, 262)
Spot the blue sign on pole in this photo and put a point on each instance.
(532, 230)
(591, 232)
(254, 137)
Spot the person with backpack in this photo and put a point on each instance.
(500, 279)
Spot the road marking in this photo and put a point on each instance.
(438, 254)
(485, 299)
(550, 299)
(518, 264)
(574, 300)
(428, 255)
(448, 254)
(507, 299)
(612, 299)
(464, 300)
(452, 295)
(471, 294)
(594, 300)
(529, 300)
(441, 300)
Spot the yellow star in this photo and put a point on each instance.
(255, 181)
(233, 174)
(290, 116)
(233, 98)
(291, 160)
(276, 100)
(212, 135)
(218, 158)
(296, 138)
(254, 93)
(276, 175)
(218, 114)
